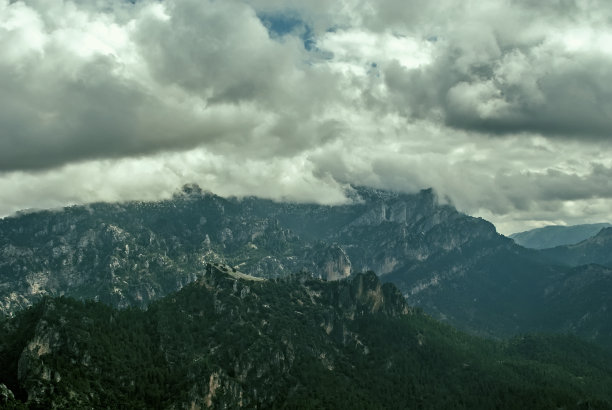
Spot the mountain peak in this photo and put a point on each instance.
(360, 193)
(362, 294)
(192, 191)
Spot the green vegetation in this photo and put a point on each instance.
(290, 343)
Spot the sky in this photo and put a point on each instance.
(504, 107)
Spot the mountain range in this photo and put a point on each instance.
(203, 301)
(593, 250)
(456, 267)
(557, 235)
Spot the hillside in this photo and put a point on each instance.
(226, 341)
(456, 267)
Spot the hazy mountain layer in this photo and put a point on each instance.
(229, 341)
(551, 236)
(597, 249)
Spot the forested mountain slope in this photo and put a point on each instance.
(229, 341)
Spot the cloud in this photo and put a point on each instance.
(514, 72)
(502, 106)
(80, 85)
(159, 176)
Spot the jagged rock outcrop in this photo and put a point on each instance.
(7, 397)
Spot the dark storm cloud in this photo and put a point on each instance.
(218, 51)
(555, 185)
(49, 123)
(573, 99)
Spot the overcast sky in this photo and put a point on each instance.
(505, 107)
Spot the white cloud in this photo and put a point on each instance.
(159, 176)
(365, 48)
(504, 107)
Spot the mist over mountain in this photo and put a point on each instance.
(552, 236)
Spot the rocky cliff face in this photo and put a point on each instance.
(385, 231)
(75, 254)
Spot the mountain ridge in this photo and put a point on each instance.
(557, 235)
(456, 267)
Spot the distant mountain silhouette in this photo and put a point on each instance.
(551, 236)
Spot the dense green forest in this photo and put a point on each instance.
(291, 343)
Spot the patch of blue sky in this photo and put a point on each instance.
(282, 24)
